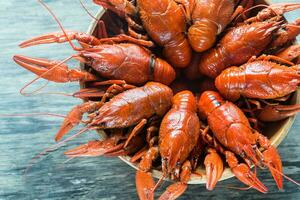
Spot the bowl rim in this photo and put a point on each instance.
(276, 139)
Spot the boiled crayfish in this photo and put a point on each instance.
(193, 122)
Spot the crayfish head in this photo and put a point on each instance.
(173, 153)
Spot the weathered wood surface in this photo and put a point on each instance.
(92, 178)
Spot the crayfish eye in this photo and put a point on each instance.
(242, 154)
(102, 124)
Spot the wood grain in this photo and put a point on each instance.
(92, 178)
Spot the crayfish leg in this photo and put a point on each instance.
(125, 38)
(136, 130)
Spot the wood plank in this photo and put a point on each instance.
(92, 178)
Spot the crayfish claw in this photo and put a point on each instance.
(273, 161)
(97, 148)
(272, 113)
(243, 173)
(43, 68)
(280, 9)
(55, 71)
(92, 148)
(144, 185)
(174, 191)
(56, 37)
(89, 93)
(73, 119)
(214, 168)
(59, 37)
(119, 7)
(290, 53)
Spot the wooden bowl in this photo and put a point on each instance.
(276, 132)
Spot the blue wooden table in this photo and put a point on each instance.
(93, 178)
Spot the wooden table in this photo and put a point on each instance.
(91, 178)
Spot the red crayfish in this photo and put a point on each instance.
(240, 43)
(232, 129)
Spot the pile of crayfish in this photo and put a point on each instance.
(181, 84)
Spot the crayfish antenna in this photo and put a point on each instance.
(59, 23)
(52, 148)
(32, 115)
(87, 11)
(102, 32)
(285, 176)
(235, 188)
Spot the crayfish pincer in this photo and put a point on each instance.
(232, 129)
